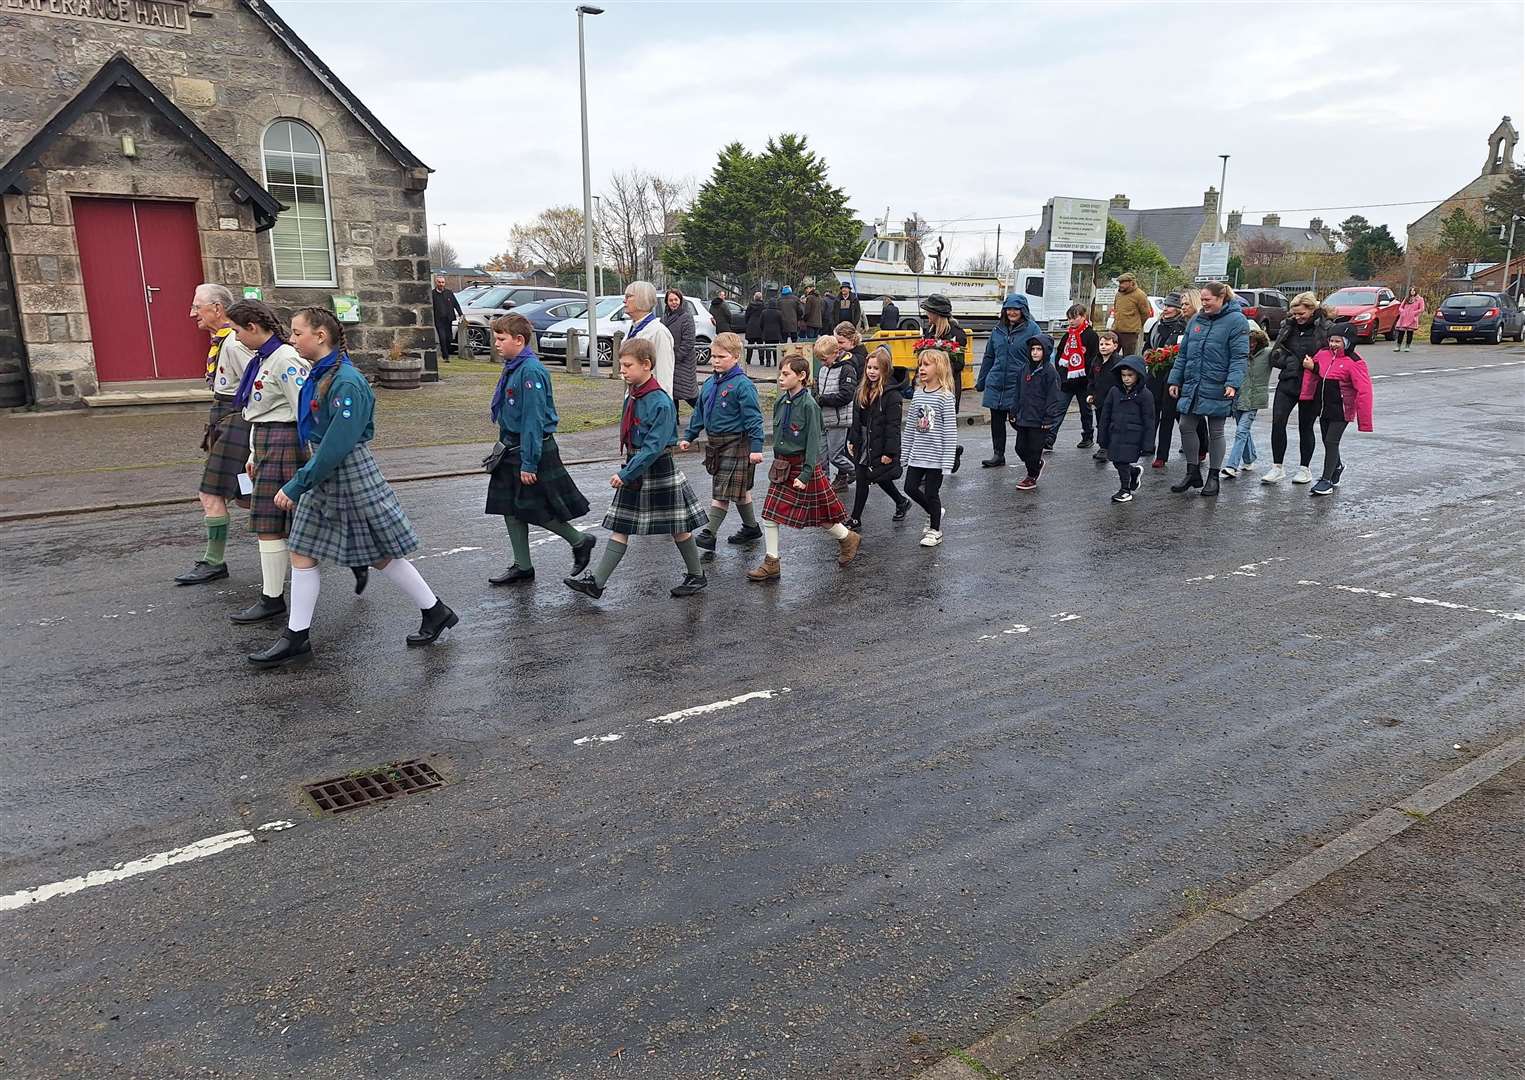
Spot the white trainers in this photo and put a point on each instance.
(1248, 466)
(1228, 470)
(1274, 475)
(932, 538)
(1304, 476)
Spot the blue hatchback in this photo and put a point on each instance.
(540, 313)
(1477, 316)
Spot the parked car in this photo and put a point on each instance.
(1371, 309)
(1477, 316)
(501, 299)
(611, 320)
(1267, 307)
(470, 293)
(541, 314)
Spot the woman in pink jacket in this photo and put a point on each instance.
(1344, 388)
(1408, 321)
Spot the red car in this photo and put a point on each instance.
(1373, 309)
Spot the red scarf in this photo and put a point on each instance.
(627, 418)
(1073, 358)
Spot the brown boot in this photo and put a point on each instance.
(767, 571)
(847, 547)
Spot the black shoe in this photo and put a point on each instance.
(435, 622)
(266, 607)
(202, 573)
(512, 576)
(1085, 443)
(902, 508)
(1192, 479)
(1339, 471)
(994, 462)
(854, 525)
(1100, 455)
(691, 584)
(362, 578)
(291, 645)
(585, 585)
(704, 540)
(745, 535)
(1210, 488)
(1138, 474)
(958, 458)
(582, 554)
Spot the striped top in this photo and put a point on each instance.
(935, 447)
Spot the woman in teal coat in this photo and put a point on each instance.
(1207, 376)
(1001, 370)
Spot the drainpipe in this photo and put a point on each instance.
(26, 358)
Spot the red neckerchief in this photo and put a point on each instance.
(1074, 353)
(627, 418)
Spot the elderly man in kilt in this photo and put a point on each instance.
(347, 512)
(651, 495)
(227, 434)
(528, 484)
(729, 412)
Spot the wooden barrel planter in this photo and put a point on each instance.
(403, 373)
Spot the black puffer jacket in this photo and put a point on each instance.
(875, 430)
(1126, 426)
(720, 315)
(1295, 342)
(754, 321)
(772, 323)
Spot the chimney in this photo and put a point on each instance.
(1119, 202)
(1210, 202)
(1235, 217)
(1271, 219)
(1317, 224)
(1027, 237)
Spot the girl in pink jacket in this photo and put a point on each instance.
(1344, 390)
(1408, 321)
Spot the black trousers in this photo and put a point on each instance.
(1405, 337)
(957, 367)
(999, 418)
(1281, 411)
(923, 486)
(446, 341)
(1125, 475)
(860, 494)
(1030, 442)
(1333, 431)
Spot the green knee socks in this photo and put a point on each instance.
(748, 518)
(217, 540)
(565, 531)
(717, 515)
(614, 551)
(519, 540)
(690, 552)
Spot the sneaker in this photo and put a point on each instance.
(1228, 471)
(1027, 483)
(1247, 467)
(1138, 475)
(585, 585)
(902, 508)
(1159, 463)
(1323, 487)
(932, 538)
(691, 584)
(704, 540)
(1048, 449)
(1122, 496)
(1274, 475)
(1339, 471)
(1085, 443)
(1304, 476)
(1100, 455)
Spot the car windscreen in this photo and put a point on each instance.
(492, 298)
(609, 305)
(1351, 297)
(1469, 299)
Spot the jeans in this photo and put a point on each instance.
(1281, 411)
(1243, 451)
(1030, 442)
(1191, 442)
(923, 486)
(1333, 430)
(1076, 389)
(836, 451)
(860, 496)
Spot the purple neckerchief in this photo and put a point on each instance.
(714, 388)
(509, 368)
(251, 370)
(638, 327)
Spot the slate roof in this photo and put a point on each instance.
(1171, 228)
(1297, 241)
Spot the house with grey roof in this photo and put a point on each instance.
(1178, 231)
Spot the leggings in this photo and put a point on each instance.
(1405, 337)
(923, 486)
(1191, 442)
(999, 418)
(1168, 418)
(1333, 430)
(1281, 412)
(860, 496)
(1030, 448)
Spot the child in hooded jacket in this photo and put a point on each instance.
(1343, 389)
(1253, 396)
(1127, 423)
(1040, 404)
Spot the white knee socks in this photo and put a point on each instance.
(770, 539)
(837, 531)
(406, 577)
(304, 597)
(272, 566)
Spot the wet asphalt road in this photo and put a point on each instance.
(998, 765)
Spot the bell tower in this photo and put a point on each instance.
(1501, 149)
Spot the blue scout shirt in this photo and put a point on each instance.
(344, 421)
(728, 405)
(656, 428)
(528, 412)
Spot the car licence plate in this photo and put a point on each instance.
(1461, 329)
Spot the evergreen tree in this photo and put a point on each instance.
(1372, 250)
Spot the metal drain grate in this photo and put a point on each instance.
(373, 786)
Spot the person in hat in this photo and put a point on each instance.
(789, 313)
(1130, 311)
(1166, 331)
(946, 335)
(813, 314)
(845, 308)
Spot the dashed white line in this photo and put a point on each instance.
(1446, 370)
(1247, 570)
(684, 714)
(1380, 594)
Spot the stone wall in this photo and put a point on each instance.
(1472, 198)
(13, 390)
(233, 77)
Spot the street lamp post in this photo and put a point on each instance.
(1222, 204)
(1509, 257)
(439, 240)
(598, 270)
(587, 191)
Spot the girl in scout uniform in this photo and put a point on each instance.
(528, 484)
(651, 495)
(347, 513)
(268, 393)
(727, 408)
(799, 494)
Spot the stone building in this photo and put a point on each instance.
(148, 145)
(1471, 198)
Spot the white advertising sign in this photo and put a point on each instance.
(1213, 262)
(1107, 296)
(1057, 267)
(1078, 225)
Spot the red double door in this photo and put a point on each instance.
(141, 262)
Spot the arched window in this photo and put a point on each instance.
(301, 243)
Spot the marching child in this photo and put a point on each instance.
(1040, 404)
(873, 441)
(528, 484)
(651, 494)
(1126, 424)
(799, 495)
(346, 512)
(1346, 398)
(930, 438)
(836, 380)
(1103, 379)
(728, 410)
(1252, 397)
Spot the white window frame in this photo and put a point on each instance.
(332, 281)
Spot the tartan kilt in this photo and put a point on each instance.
(817, 505)
(727, 458)
(278, 454)
(229, 451)
(352, 518)
(663, 504)
(552, 497)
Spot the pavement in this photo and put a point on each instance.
(836, 826)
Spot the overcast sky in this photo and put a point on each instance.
(955, 110)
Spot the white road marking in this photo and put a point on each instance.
(1247, 570)
(443, 554)
(1446, 370)
(199, 849)
(684, 714)
(1511, 616)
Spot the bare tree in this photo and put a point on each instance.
(637, 212)
(553, 239)
(983, 264)
(443, 253)
(1263, 251)
(915, 230)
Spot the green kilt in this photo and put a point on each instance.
(728, 460)
(662, 503)
(227, 449)
(352, 518)
(552, 497)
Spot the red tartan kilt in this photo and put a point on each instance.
(817, 505)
